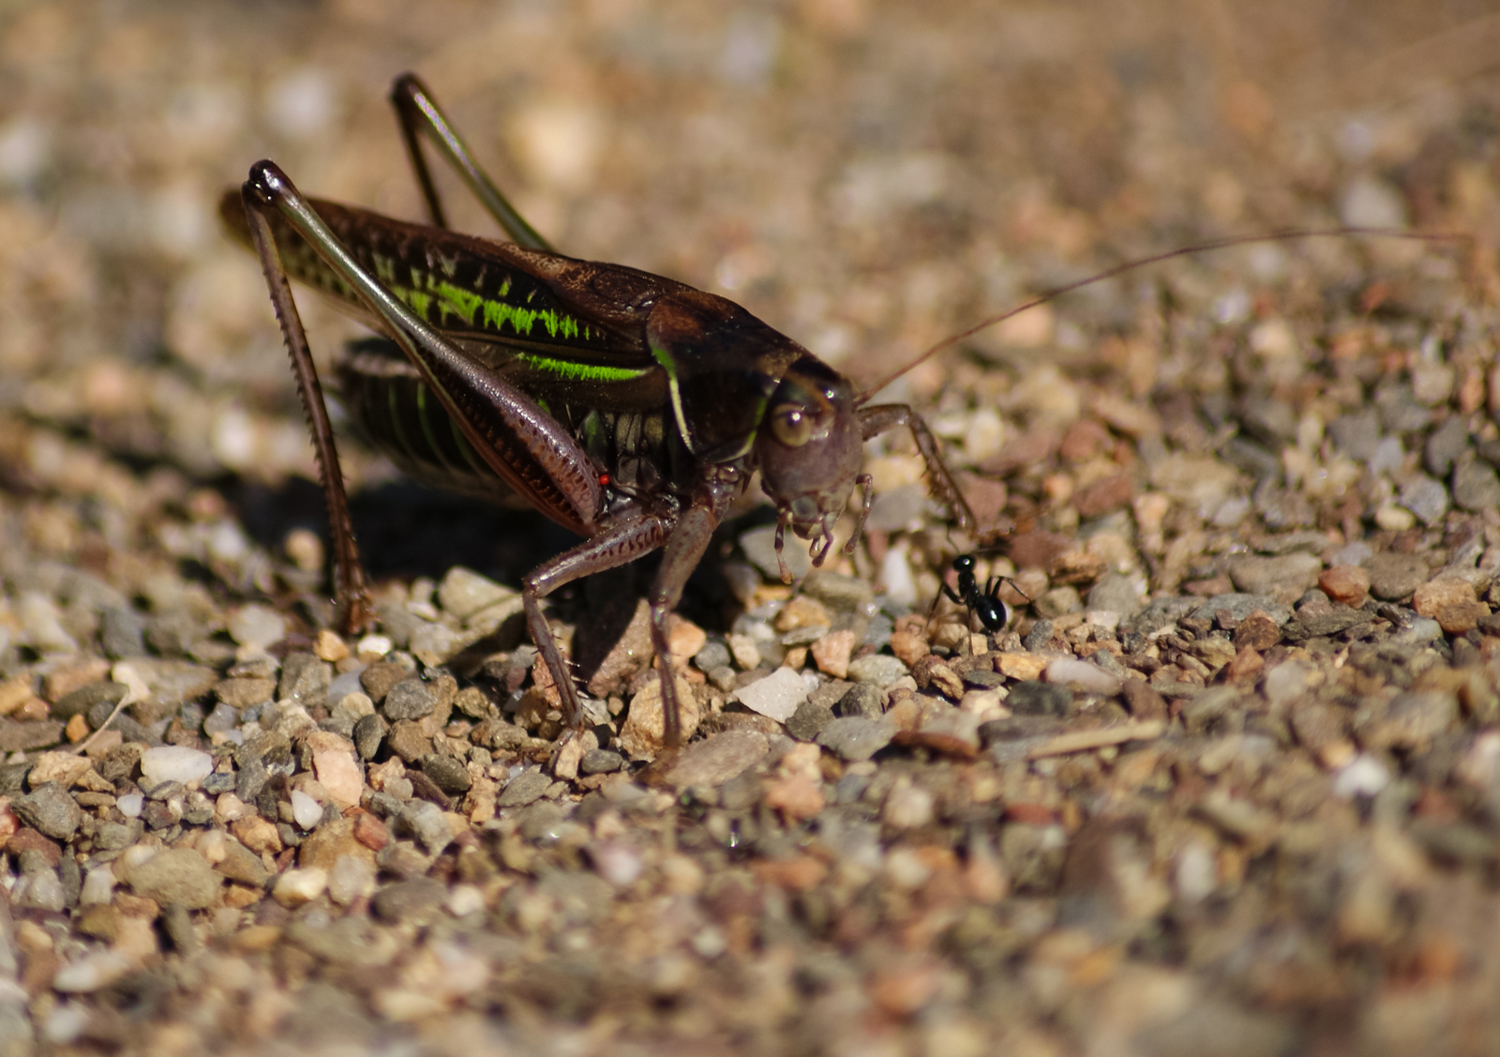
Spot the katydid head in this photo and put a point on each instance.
(809, 448)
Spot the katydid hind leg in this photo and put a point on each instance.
(684, 549)
(348, 574)
(616, 546)
(527, 448)
(418, 114)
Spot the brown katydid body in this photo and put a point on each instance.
(629, 408)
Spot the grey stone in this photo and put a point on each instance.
(1426, 498)
(409, 699)
(863, 700)
(176, 875)
(1163, 613)
(1356, 434)
(83, 700)
(1395, 576)
(122, 633)
(523, 789)
(1476, 486)
(1445, 445)
(1284, 577)
(1254, 459)
(426, 821)
(369, 732)
(899, 509)
(601, 761)
(718, 759)
(49, 809)
(1116, 594)
(878, 669)
(221, 720)
(714, 654)
(304, 678)
(854, 738)
(840, 593)
(22, 737)
(1268, 420)
(411, 902)
(808, 721)
(1039, 636)
(1293, 542)
(1033, 698)
(1399, 410)
(1240, 606)
(449, 774)
(113, 836)
(759, 546)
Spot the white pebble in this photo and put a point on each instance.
(1197, 873)
(776, 696)
(130, 805)
(98, 886)
(257, 626)
(296, 887)
(44, 630)
(1082, 676)
(906, 869)
(1366, 776)
(350, 879)
(379, 645)
(895, 573)
(464, 900)
(1286, 681)
(65, 1024)
(617, 862)
(175, 763)
(90, 973)
(306, 811)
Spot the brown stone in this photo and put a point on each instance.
(831, 653)
(1110, 493)
(28, 839)
(1247, 664)
(909, 645)
(370, 831)
(1037, 549)
(1435, 594)
(1257, 632)
(1346, 584)
(1460, 618)
(1085, 439)
(1143, 700)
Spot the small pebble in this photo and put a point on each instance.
(175, 763)
(306, 811)
(777, 695)
(296, 887)
(351, 878)
(1082, 676)
(256, 626)
(877, 669)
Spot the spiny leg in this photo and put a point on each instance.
(348, 573)
(418, 112)
(685, 548)
(618, 545)
(881, 418)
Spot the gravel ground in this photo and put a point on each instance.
(1228, 785)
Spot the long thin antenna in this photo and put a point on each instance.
(1119, 269)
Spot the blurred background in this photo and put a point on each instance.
(866, 175)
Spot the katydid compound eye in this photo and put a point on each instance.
(790, 425)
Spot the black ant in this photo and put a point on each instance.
(986, 605)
